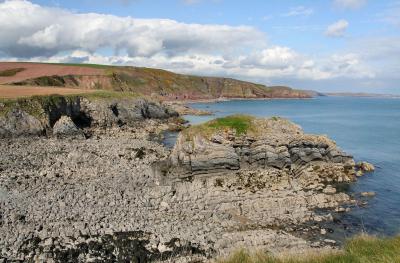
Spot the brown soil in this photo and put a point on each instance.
(12, 92)
(35, 70)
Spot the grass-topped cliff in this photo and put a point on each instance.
(148, 81)
(363, 249)
(36, 105)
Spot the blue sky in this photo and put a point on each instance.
(332, 45)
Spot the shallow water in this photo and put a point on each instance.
(367, 128)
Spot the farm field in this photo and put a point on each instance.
(13, 92)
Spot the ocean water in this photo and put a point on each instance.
(367, 128)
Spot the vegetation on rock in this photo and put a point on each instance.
(36, 104)
(149, 81)
(239, 124)
(362, 249)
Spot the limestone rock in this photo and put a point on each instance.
(205, 156)
(66, 127)
(365, 167)
(279, 144)
(87, 114)
(111, 198)
(329, 190)
(19, 123)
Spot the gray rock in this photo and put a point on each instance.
(19, 123)
(284, 147)
(66, 127)
(98, 202)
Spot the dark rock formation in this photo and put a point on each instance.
(34, 116)
(19, 123)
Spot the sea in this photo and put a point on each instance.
(367, 128)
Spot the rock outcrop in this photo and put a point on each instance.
(36, 116)
(275, 143)
(118, 197)
(17, 122)
(365, 167)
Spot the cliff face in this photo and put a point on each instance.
(156, 82)
(38, 115)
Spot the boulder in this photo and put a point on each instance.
(66, 127)
(368, 194)
(329, 190)
(365, 167)
(19, 123)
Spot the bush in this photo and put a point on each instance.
(10, 72)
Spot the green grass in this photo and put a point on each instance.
(105, 94)
(10, 72)
(240, 124)
(362, 249)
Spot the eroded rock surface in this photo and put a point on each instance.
(277, 143)
(37, 116)
(116, 196)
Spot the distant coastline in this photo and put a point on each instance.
(361, 95)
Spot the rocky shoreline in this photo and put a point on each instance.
(106, 192)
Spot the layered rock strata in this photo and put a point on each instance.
(119, 197)
(277, 143)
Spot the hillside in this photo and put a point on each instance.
(147, 81)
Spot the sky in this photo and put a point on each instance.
(326, 45)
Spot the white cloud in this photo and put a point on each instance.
(337, 29)
(271, 58)
(37, 33)
(29, 30)
(299, 11)
(350, 4)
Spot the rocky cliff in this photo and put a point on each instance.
(38, 115)
(117, 196)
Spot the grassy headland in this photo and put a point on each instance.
(147, 81)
